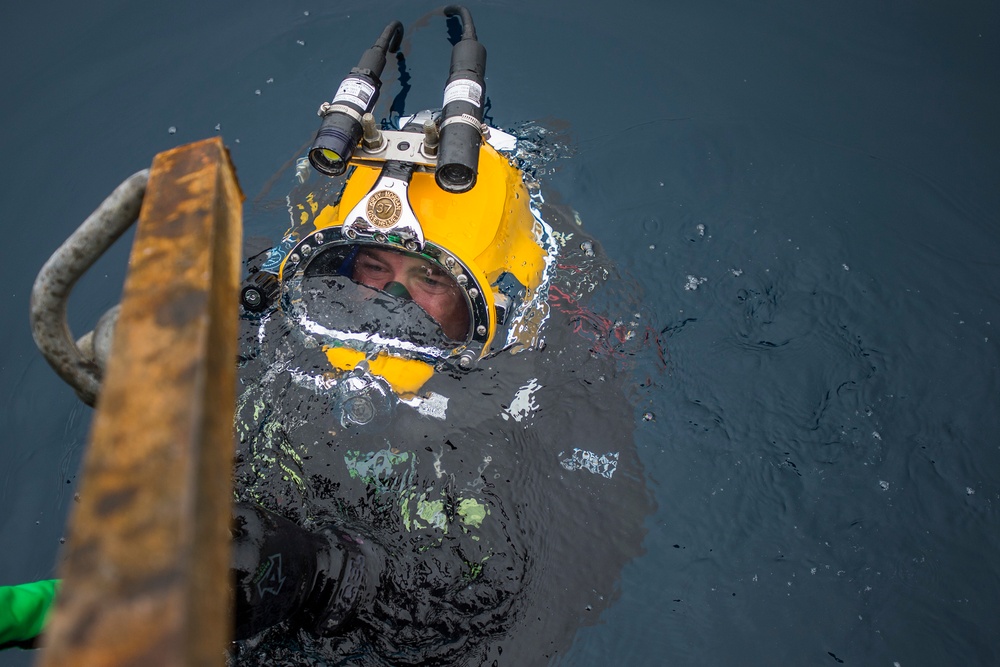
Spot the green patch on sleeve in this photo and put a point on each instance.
(472, 512)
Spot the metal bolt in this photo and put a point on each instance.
(473, 293)
(431, 138)
(449, 262)
(294, 258)
(373, 139)
(318, 237)
(411, 246)
(306, 249)
(380, 238)
(481, 330)
(461, 279)
(350, 233)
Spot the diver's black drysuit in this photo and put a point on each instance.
(486, 530)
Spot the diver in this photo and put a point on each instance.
(434, 460)
(434, 456)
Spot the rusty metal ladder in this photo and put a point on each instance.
(146, 563)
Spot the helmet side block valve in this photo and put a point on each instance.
(260, 291)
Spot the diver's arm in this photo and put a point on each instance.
(23, 611)
(282, 572)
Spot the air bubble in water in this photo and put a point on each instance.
(884, 484)
(693, 283)
(648, 417)
(171, 130)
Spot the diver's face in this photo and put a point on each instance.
(430, 287)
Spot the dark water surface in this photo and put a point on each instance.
(806, 196)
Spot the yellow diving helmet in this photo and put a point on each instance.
(433, 255)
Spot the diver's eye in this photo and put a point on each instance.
(371, 266)
(434, 281)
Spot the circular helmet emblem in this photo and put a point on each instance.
(384, 209)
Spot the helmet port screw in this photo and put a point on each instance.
(350, 233)
(318, 237)
(473, 293)
(294, 258)
(306, 249)
(380, 238)
(467, 360)
(411, 245)
(461, 279)
(481, 330)
(449, 262)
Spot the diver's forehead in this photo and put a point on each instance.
(401, 257)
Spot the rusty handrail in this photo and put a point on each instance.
(145, 567)
(64, 268)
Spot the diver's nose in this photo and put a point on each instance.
(397, 290)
